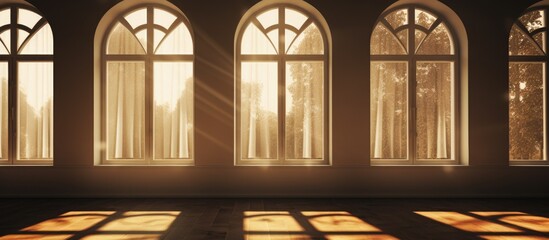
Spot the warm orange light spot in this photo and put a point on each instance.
(327, 221)
(535, 223)
(266, 221)
(513, 238)
(34, 237)
(142, 221)
(361, 237)
(466, 223)
(123, 236)
(277, 236)
(71, 221)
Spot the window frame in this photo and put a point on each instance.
(148, 59)
(533, 59)
(411, 58)
(13, 59)
(281, 58)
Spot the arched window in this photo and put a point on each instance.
(413, 88)
(147, 85)
(527, 87)
(26, 86)
(282, 86)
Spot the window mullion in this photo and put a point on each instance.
(412, 128)
(281, 86)
(149, 89)
(12, 89)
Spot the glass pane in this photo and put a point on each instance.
(268, 18)
(137, 18)
(533, 20)
(142, 37)
(540, 40)
(397, 18)
(157, 36)
(424, 19)
(289, 37)
(179, 41)
(35, 110)
(125, 110)
(403, 38)
(434, 110)
(389, 110)
(273, 36)
(384, 42)
(5, 17)
(304, 110)
(173, 109)
(5, 38)
(520, 44)
(310, 41)
(4, 111)
(526, 111)
(254, 41)
(259, 110)
(294, 18)
(21, 37)
(163, 18)
(437, 42)
(27, 18)
(419, 36)
(40, 43)
(122, 41)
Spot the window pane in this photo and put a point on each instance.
(294, 18)
(40, 43)
(163, 18)
(4, 109)
(438, 42)
(179, 41)
(310, 41)
(5, 42)
(424, 19)
(27, 18)
(526, 111)
(268, 18)
(533, 20)
(125, 110)
(173, 109)
(137, 18)
(35, 110)
(304, 110)
(397, 18)
(259, 110)
(389, 110)
(122, 41)
(435, 110)
(384, 42)
(5, 16)
(521, 44)
(254, 41)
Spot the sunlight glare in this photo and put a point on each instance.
(338, 221)
(466, 223)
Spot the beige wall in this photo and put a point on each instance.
(487, 23)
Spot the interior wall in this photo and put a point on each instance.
(214, 23)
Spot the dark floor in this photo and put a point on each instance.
(212, 219)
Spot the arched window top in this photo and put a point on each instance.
(414, 27)
(527, 36)
(24, 31)
(150, 30)
(262, 34)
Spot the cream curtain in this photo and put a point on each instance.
(4, 108)
(389, 110)
(304, 110)
(35, 110)
(259, 110)
(173, 101)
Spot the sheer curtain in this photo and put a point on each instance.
(35, 110)
(259, 110)
(173, 101)
(4, 113)
(125, 110)
(389, 110)
(304, 110)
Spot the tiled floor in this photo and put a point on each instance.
(267, 219)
